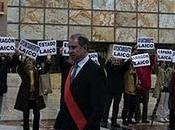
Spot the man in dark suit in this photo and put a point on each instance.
(84, 89)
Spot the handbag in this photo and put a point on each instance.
(45, 84)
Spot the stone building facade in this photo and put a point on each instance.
(100, 20)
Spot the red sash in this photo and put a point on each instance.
(72, 106)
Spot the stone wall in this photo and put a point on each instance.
(3, 25)
(3, 18)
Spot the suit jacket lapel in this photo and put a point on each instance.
(83, 69)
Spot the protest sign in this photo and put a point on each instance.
(173, 58)
(123, 52)
(141, 60)
(65, 51)
(47, 47)
(7, 45)
(29, 49)
(164, 54)
(145, 43)
(94, 57)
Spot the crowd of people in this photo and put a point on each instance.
(135, 85)
(28, 96)
(88, 89)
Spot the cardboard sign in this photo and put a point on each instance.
(141, 60)
(173, 58)
(65, 51)
(164, 54)
(145, 43)
(30, 49)
(47, 47)
(94, 57)
(7, 45)
(123, 52)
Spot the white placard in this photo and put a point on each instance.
(65, 51)
(123, 52)
(94, 57)
(145, 43)
(47, 47)
(173, 58)
(7, 45)
(29, 49)
(141, 60)
(164, 54)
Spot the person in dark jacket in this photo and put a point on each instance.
(172, 101)
(5, 64)
(115, 69)
(28, 95)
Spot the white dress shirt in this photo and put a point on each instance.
(80, 65)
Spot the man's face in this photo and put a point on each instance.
(29, 64)
(115, 61)
(76, 51)
(163, 65)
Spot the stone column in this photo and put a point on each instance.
(3, 17)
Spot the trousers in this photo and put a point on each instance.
(26, 113)
(115, 108)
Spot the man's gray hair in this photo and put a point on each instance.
(83, 41)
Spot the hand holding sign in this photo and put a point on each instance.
(65, 51)
(94, 57)
(48, 58)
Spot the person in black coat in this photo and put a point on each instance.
(84, 89)
(28, 95)
(172, 102)
(115, 69)
(5, 64)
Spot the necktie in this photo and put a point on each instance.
(75, 67)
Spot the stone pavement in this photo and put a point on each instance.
(11, 119)
(20, 128)
(136, 127)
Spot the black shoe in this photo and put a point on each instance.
(131, 122)
(125, 122)
(137, 121)
(145, 121)
(171, 128)
(104, 124)
(115, 125)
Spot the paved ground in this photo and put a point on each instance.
(11, 119)
(136, 127)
